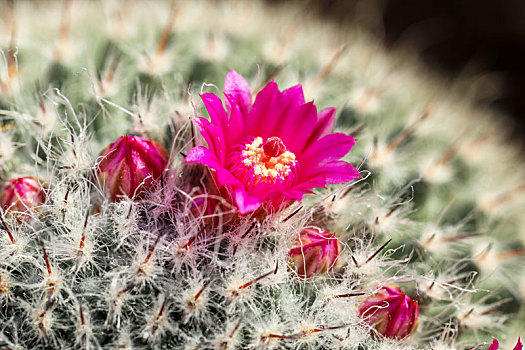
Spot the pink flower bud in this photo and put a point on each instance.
(495, 345)
(22, 194)
(390, 312)
(315, 253)
(129, 165)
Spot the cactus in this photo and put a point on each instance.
(175, 261)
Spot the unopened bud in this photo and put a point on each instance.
(129, 165)
(390, 312)
(22, 194)
(315, 253)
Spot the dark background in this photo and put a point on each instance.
(451, 36)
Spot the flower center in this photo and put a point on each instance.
(274, 147)
(270, 161)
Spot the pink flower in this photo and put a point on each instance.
(315, 253)
(390, 312)
(22, 194)
(272, 151)
(130, 164)
(495, 345)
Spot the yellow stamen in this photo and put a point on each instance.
(266, 168)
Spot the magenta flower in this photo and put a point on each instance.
(315, 253)
(22, 194)
(129, 165)
(272, 151)
(495, 345)
(390, 312)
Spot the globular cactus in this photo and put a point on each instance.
(158, 218)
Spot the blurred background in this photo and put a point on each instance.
(453, 38)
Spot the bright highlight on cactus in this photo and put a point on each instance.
(129, 166)
(272, 151)
(390, 312)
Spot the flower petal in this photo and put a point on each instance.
(334, 173)
(213, 136)
(206, 157)
(297, 127)
(245, 202)
(217, 113)
(339, 172)
(296, 194)
(271, 107)
(263, 111)
(236, 130)
(325, 124)
(305, 186)
(293, 97)
(239, 90)
(329, 148)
